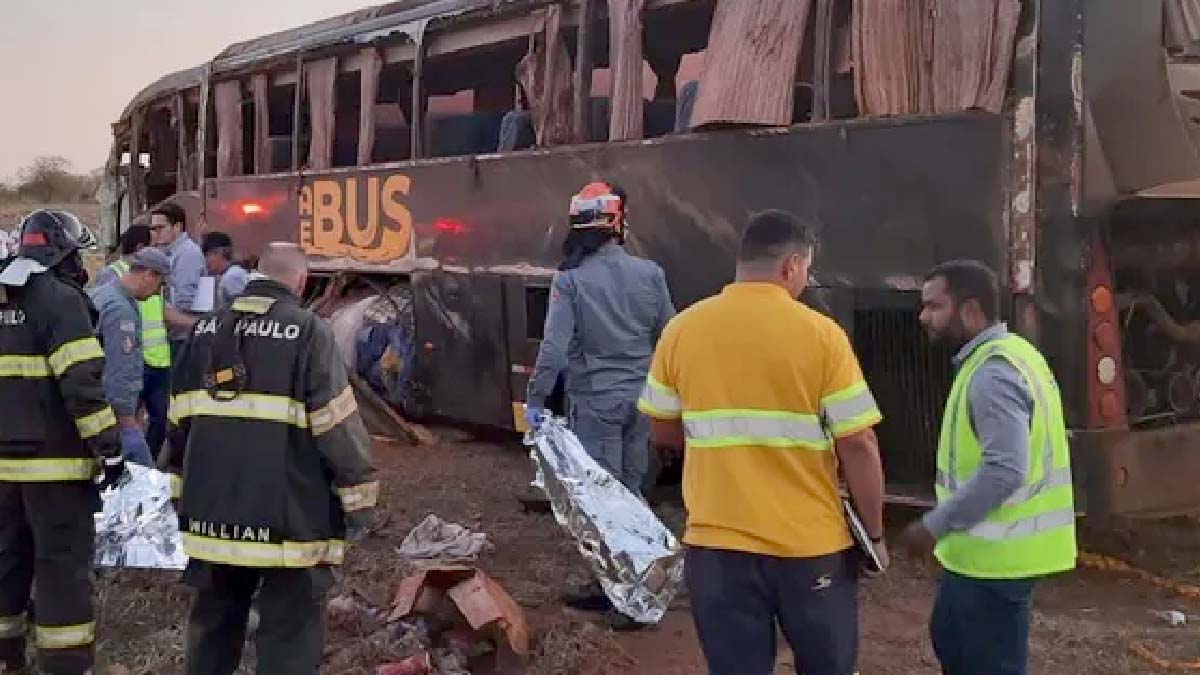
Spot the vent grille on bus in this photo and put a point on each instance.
(910, 381)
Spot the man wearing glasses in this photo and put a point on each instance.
(168, 229)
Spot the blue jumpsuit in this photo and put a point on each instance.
(604, 320)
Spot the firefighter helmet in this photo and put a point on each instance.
(599, 205)
(50, 236)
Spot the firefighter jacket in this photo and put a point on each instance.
(56, 420)
(274, 451)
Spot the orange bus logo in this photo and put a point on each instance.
(363, 219)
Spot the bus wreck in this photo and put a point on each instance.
(423, 152)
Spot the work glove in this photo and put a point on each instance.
(535, 416)
(112, 472)
(359, 524)
(134, 447)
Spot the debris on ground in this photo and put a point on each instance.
(461, 612)
(441, 540)
(1173, 617)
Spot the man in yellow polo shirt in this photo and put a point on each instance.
(769, 401)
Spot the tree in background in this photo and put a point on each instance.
(50, 179)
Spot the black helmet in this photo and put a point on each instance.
(50, 236)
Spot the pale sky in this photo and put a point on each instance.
(68, 67)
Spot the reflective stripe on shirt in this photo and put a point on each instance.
(24, 366)
(324, 419)
(850, 410)
(64, 637)
(259, 554)
(73, 353)
(96, 423)
(768, 428)
(265, 407)
(659, 400)
(46, 470)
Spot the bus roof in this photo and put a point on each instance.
(362, 26)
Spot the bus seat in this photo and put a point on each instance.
(684, 106)
(516, 131)
(659, 117)
(465, 134)
(392, 144)
(598, 123)
(280, 153)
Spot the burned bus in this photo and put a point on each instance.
(426, 151)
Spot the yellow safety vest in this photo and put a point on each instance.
(1033, 533)
(156, 350)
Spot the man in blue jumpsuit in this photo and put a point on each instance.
(120, 328)
(607, 310)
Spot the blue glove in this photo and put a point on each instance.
(535, 416)
(134, 447)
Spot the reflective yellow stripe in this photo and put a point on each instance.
(850, 410)
(265, 407)
(768, 428)
(24, 366)
(13, 626)
(323, 420)
(64, 637)
(358, 497)
(46, 470)
(97, 422)
(256, 554)
(253, 304)
(659, 400)
(1026, 527)
(75, 352)
(176, 485)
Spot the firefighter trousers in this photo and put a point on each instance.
(291, 608)
(46, 538)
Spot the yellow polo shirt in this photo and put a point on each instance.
(762, 384)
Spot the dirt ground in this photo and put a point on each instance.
(1086, 622)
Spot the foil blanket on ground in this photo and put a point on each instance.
(635, 557)
(137, 526)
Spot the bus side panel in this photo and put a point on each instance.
(462, 347)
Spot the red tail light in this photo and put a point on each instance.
(251, 208)
(1106, 386)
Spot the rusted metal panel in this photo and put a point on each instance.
(751, 62)
(228, 103)
(184, 165)
(584, 60)
(822, 59)
(319, 79)
(625, 60)
(372, 63)
(260, 89)
(137, 178)
(202, 130)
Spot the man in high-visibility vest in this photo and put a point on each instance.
(1006, 514)
(156, 350)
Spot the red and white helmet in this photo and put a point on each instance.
(599, 205)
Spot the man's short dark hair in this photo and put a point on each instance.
(970, 280)
(218, 242)
(174, 213)
(771, 234)
(137, 236)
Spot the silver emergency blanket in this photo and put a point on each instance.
(137, 526)
(637, 560)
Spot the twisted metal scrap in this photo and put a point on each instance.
(637, 560)
(137, 526)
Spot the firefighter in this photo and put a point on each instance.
(607, 309)
(58, 441)
(274, 467)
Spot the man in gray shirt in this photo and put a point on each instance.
(218, 256)
(120, 328)
(1005, 513)
(168, 227)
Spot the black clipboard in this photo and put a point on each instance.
(862, 541)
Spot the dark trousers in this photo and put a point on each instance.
(739, 598)
(291, 608)
(156, 396)
(981, 626)
(46, 533)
